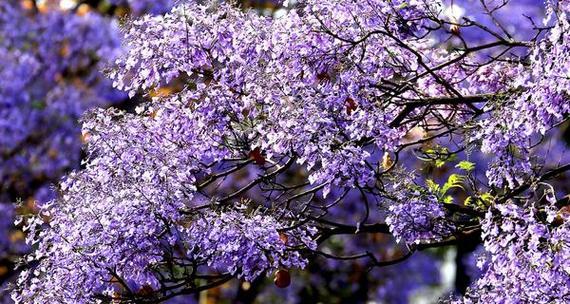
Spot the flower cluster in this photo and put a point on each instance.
(247, 246)
(540, 104)
(239, 62)
(528, 256)
(135, 193)
(417, 215)
(143, 236)
(419, 219)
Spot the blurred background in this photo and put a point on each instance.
(53, 57)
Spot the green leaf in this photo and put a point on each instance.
(438, 155)
(439, 163)
(453, 181)
(487, 198)
(433, 186)
(448, 199)
(465, 165)
(468, 201)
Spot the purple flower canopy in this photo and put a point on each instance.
(261, 135)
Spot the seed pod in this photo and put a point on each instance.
(146, 290)
(455, 29)
(563, 213)
(350, 105)
(282, 278)
(256, 155)
(283, 237)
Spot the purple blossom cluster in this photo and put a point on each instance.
(139, 199)
(417, 215)
(247, 247)
(528, 255)
(418, 219)
(135, 256)
(540, 104)
(238, 62)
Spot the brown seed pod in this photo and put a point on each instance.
(257, 156)
(282, 278)
(283, 237)
(146, 290)
(351, 105)
(563, 214)
(455, 29)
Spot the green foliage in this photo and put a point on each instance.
(438, 155)
(469, 201)
(465, 166)
(433, 186)
(480, 202)
(486, 198)
(453, 181)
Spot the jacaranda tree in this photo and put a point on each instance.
(266, 138)
(51, 60)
